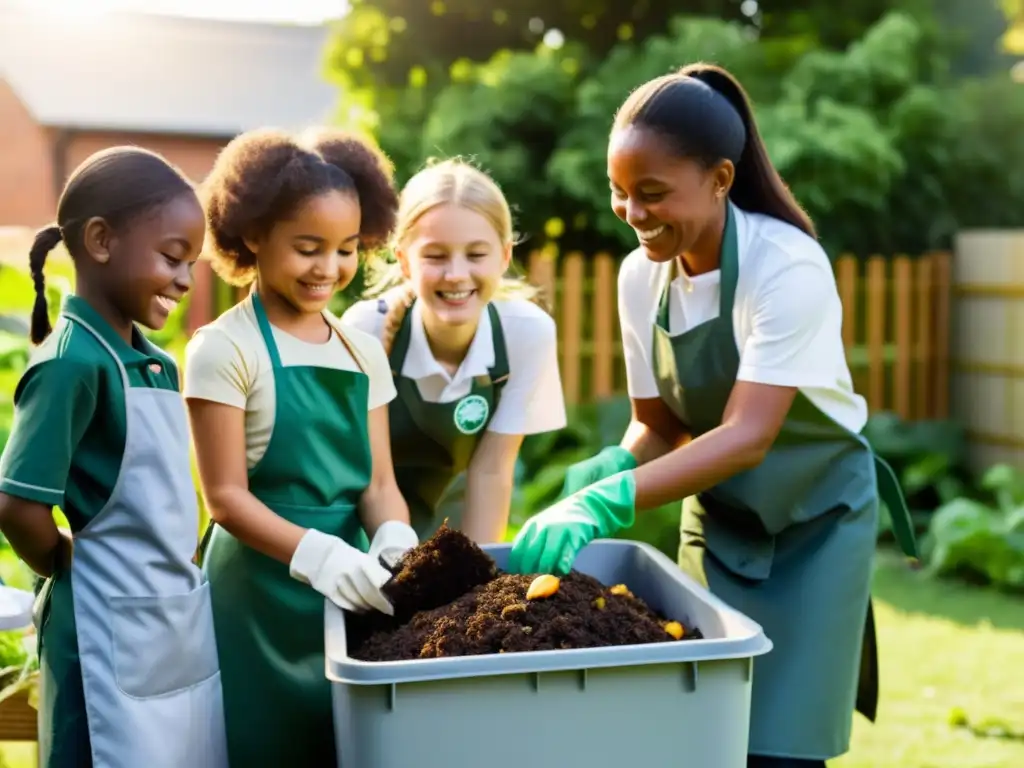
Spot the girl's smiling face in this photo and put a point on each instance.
(308, 256)
(149, 260)
(454, 259)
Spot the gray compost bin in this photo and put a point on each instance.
(665, 704)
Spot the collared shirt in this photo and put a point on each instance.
(68, 435)
(227, 362)
(531, 400)
(787, 316)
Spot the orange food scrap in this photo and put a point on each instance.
(621, 589)
(543, 586)
(675, 629)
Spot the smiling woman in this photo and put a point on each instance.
(743, 409)
(289, 420)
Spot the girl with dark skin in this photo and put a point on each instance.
(743, 407)
(128, 659)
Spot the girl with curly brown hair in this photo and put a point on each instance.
(289, 419)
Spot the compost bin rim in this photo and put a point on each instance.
(341, 668)
(353, 672)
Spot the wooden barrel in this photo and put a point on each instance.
(987, 351)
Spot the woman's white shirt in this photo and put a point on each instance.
(531, 400)
(787, 316)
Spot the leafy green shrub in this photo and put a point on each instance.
(982, 539)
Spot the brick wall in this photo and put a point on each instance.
(26, 169)
(32, 156)
(28, 153)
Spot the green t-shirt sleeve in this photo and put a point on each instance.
(53, 405)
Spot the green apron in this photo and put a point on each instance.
(788, 543)
(432, 443)
(270, 627)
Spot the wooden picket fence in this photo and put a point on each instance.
(896, 316)
(895, 327)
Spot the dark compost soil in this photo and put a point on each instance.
(451, 600)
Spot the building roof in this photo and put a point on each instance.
(164, 74)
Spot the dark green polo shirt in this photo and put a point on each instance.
(68, 435)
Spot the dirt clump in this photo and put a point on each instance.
(451, 600)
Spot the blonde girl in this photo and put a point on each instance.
(474, 358)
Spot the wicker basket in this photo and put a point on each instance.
(18, 719)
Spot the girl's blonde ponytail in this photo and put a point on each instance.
(394, 317)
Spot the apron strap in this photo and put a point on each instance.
(498, 373)
(661, 319)
(103, 342)
(728, 265)
(266, 330)
(889, 491)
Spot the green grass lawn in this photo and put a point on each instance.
(943, 646)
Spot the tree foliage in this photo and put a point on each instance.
(878, 139)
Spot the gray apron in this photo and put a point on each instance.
(789, 543)
(142, 612)
(432, 443)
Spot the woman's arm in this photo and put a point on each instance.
(218, 434)
(33, 535)
(381, 501)
(490, 479)
(653, 431)
(752, 420)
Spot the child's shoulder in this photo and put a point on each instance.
(523, 321)
(368, 315)
(236, 327)
(69, 351)
(366, 343)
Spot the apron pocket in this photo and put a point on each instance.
(163, 644)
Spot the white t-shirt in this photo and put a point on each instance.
(227, 362)
(531, 399)
(787, 316)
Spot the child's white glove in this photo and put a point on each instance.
(347, 577)
(392, 540)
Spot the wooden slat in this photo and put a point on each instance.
(903, 293)
(541, 273)
(603, 314)
(923, 403)
(846, 277)
(876, 313)
(942, 265)
(572, 326)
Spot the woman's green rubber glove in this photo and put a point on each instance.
(612, 459)
(550, 540)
